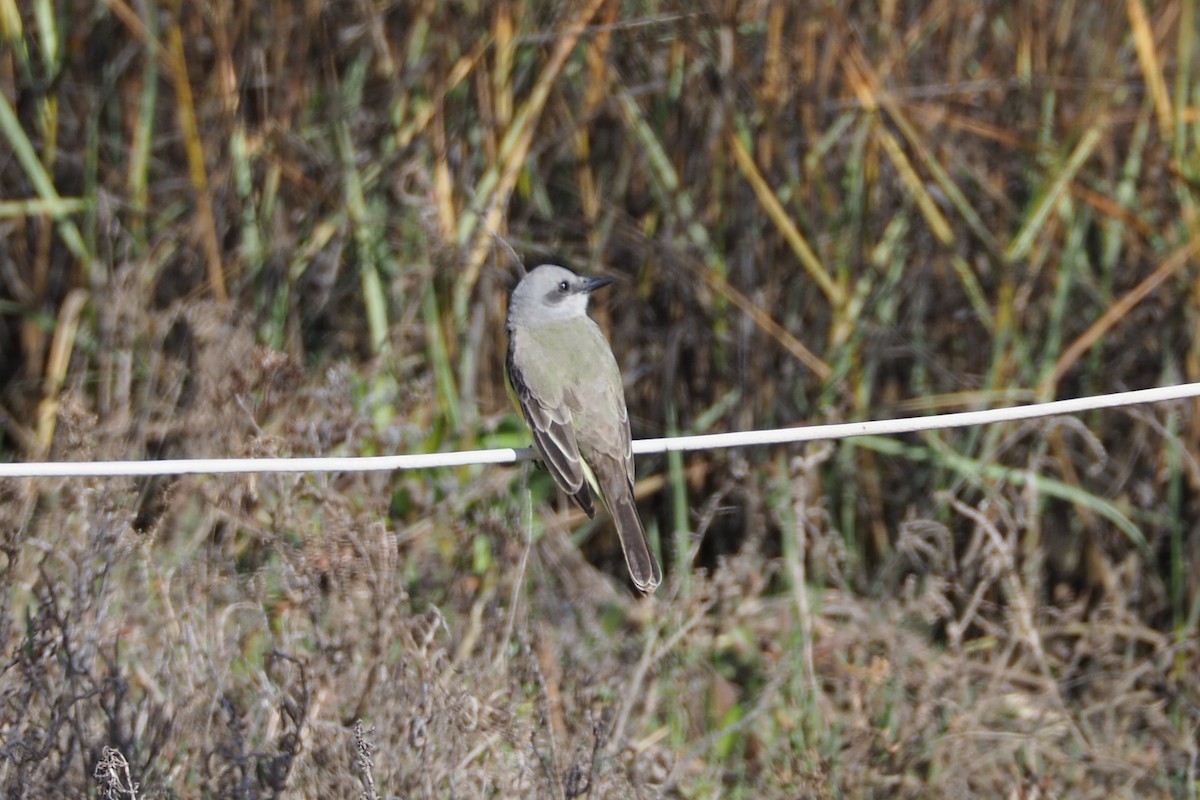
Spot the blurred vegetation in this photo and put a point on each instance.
(275, 228)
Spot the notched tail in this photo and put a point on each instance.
(643, 567)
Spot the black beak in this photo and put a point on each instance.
(592, 284)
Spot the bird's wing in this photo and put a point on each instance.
(550, 420)
(627, 437)
(608, 425)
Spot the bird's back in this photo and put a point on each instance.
(570, 363)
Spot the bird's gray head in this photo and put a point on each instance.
(551, 294)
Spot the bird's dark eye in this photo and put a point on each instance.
(563, 286)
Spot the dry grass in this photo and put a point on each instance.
(277, 229)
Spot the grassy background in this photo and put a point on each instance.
(278, 228)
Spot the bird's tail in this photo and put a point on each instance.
(618, 496)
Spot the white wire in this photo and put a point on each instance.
(508, 455)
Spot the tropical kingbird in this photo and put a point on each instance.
(570, 392)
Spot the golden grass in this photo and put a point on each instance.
(277, 228)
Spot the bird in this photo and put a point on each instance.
(567, 384)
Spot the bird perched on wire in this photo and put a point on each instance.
(569, 389)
